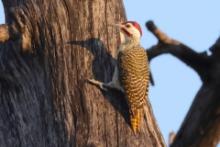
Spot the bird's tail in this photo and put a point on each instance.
(136, 121)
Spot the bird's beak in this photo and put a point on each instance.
(122, 30)
(121, 39)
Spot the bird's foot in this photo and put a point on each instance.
(97, 83)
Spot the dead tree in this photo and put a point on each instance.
(48, 49)
(201, 127)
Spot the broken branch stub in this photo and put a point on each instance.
(4, 33)
(160, 35)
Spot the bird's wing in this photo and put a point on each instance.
(134, 77)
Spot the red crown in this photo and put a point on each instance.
(136, 25)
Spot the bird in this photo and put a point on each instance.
(131, 73)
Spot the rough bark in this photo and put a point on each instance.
(51, 49)
(201, 127)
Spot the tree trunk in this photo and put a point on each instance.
(52, 47)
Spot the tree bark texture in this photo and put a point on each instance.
(201, 127)
(52, 47)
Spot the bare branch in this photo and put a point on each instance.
(201, 126)
(198, 61)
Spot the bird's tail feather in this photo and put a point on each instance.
(136, 121)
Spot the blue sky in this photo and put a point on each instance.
(196, 24)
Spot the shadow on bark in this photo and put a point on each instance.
(99, 51)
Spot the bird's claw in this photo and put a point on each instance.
(97, 83)
(103, 88)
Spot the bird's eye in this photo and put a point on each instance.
(127, 25)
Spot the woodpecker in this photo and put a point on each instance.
(131, 74)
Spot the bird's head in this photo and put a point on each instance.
(130, 31)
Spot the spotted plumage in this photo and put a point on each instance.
(134, 78)
(131, 75)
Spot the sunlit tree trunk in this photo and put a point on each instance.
(48, 49)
